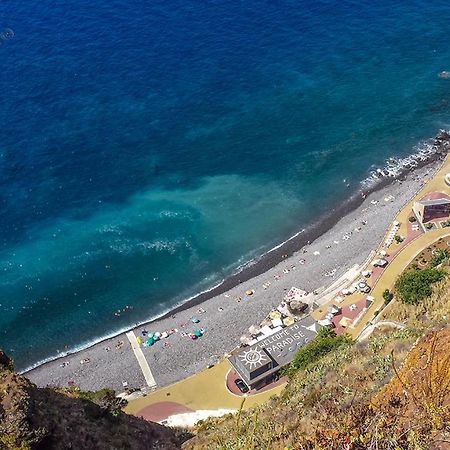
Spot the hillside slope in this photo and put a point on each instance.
(391, 391)
(49, 419)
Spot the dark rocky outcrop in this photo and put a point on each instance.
(46, 419)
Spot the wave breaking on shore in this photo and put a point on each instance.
(424, 153)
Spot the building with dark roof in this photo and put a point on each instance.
(258, 364)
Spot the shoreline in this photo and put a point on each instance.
(256, 266)
(269, 261)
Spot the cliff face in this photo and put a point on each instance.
(35, 418)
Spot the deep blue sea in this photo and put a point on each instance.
(148, 148)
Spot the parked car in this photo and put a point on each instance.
(241, 385)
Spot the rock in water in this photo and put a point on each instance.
(444, 74)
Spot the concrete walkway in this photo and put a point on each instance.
(205, 390)
(141, 360)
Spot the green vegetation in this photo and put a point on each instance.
(351, 398)
(429, 226)
(33, 418)
(389, 391)
(105, 398)
(446, 223)
(412, 219)
(387, 296)
(325, 342)
(398, 239)
(413, 286)
(439, 257)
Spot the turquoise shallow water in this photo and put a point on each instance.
(149, 150)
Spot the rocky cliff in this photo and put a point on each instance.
(47, 419)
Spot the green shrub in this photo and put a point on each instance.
(412, 219)
(387, 296)
(325, 342)
(439, 257)
(414, 286)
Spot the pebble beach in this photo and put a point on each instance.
(228, 315)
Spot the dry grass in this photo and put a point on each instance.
(433, 311)
(390, 392)
(326, 406)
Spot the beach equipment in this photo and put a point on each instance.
(325, 323)
(274, 314)
(277, 323)
(150, 341)
(284, 310)
(249, 292)
(254, 330)
(333, 309)
(345, 322)
(197, 333)
(245, 339)
(266, 331)
(295, 294)
(139, 340)
(288, 321)
(195, 320)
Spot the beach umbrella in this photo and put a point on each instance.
(275, 314)
(250, 292)
(288, 321)
(197, 333)
(164, 335)
(150, 341)
(345, 322)
(139, 340)
(157, 334)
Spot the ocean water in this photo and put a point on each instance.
(147, 149)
